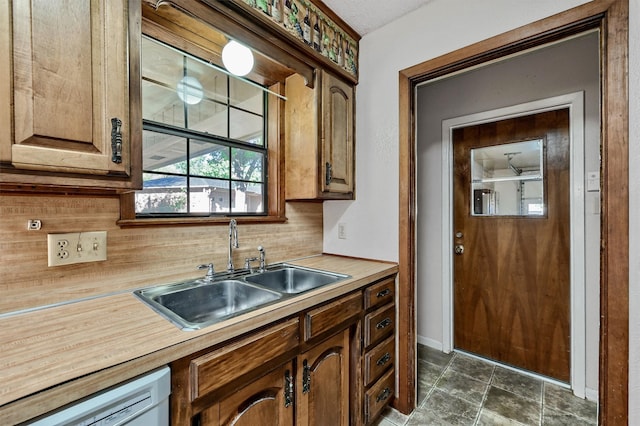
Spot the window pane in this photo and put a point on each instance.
(212, 82)
(209, 195)
(507, 179)
(246, 96)
(246, 127)
(162, 194)
(209, 160)
(160, 103)
(208, 116)
(162, 69)
(247, 165)
(247, 197)
(164, 152)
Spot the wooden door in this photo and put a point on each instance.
(511, 282)
(267, 401)
(337, 134)
(323, 383)
(70, 79)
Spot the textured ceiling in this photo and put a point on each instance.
(365, 16)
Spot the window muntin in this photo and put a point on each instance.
(196, 112)
(508, 179)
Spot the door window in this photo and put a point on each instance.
(508, 179)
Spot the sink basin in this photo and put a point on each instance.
(195, 304)
(293, 279)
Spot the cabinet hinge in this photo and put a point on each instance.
(116, 140)
(327, 174)
(306, 377)
(288, 389)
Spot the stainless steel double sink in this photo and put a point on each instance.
(196, 304)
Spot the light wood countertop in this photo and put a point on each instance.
(57, 355)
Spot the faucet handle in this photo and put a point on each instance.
(247, 262)
(209, 268)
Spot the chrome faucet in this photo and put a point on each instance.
(210, 271)
(233, 243)
(248, 260)
(262, 259)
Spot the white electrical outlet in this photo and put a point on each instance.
(77, 247)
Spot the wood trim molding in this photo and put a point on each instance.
(611, 16)
(614, 275)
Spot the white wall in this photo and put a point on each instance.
(443, 26)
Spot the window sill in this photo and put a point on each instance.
(197, 221)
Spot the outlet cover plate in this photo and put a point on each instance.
(76, 247)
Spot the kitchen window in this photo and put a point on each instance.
(204, 139)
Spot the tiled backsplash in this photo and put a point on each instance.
(136, 257)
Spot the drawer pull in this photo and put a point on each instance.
(384, 323)
(383, 359)
(383, 395)
(383, 293)
(116, 140)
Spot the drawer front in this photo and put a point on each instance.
(379, 396)
(380, 293)
(379, 324)
(378, 360)
(221, 366)
(321, 319)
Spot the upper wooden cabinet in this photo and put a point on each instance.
(319, 138)
(69, 72)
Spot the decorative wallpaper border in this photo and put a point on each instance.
(310, 25)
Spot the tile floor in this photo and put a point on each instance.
(456, 389)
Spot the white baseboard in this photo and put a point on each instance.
(591, 394)
(429, 342)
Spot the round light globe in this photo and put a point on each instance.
(237, 58)
(189, 90)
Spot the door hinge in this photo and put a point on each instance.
(116, 140)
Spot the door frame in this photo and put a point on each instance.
(575, 103)
(612, 18)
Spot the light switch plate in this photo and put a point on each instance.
(593, 181)
(76, 247)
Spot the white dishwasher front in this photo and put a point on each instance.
(143, 401)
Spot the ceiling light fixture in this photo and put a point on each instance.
(237, 58)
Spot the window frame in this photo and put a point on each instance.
(274, 186)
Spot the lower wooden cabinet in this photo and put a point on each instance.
(332, 364)
(378, 345)
(322, 396)
(267, 400)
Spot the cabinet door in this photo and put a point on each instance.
(323, 383)
(70, 78)
(267, 401)
(337, 134)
